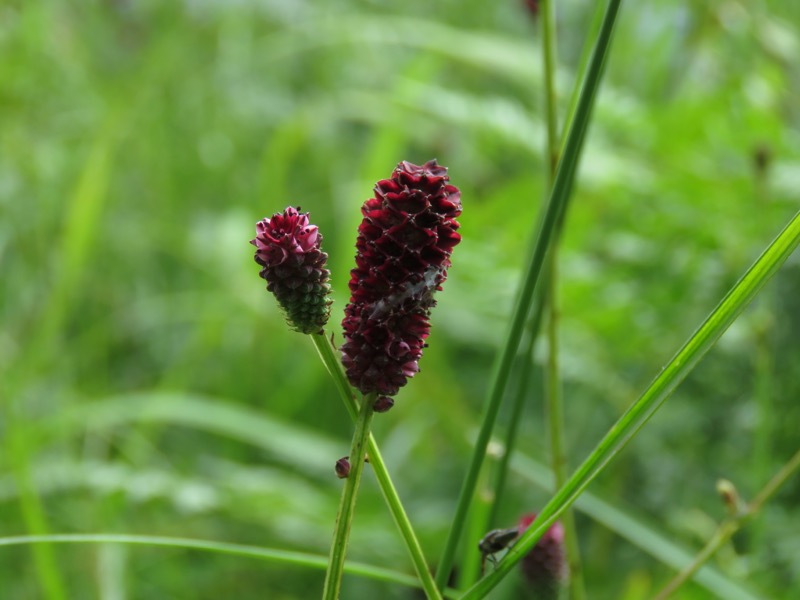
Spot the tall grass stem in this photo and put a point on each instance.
(523, 389)
(553, 212)
(554, 399)
(651, 400)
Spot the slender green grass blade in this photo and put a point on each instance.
(299, 559)
(651, 400)
(626, 525)
(553, 214)
(305, 450)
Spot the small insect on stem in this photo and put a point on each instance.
(496, 541)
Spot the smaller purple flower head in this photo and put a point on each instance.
(288, 250)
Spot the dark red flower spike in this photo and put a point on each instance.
(403, 253)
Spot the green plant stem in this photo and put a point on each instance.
(344, 518)
(327, 354)
(553, 398)
(485, 509)
(583, 62)
(730, 526)
(625, 524)
(549, 57)
(554, 402)
(483, 518)
(534, 323)
(554, 409)
(651, 400)
(562, 186)
(763, 377)
(764, 393)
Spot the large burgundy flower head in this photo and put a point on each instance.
(288, 249)
(545, 566)
(403, 253)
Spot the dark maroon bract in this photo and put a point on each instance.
(288, 249)
(403, 253)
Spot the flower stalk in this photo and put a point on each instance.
(554, 399)
(403, 252)
(404, 246)
(344, 518)
(562, 187)
(328, 356)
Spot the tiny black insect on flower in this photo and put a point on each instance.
(496, 541)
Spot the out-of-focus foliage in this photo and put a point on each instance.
(150, 384)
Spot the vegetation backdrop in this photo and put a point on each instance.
(150, 384)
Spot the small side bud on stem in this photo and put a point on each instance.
(383, 404)
(342, 467)
(730, 497)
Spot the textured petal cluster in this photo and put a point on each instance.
(545, 566)
(288, 249)
(403, 253)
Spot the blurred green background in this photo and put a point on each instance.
(149, 384)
